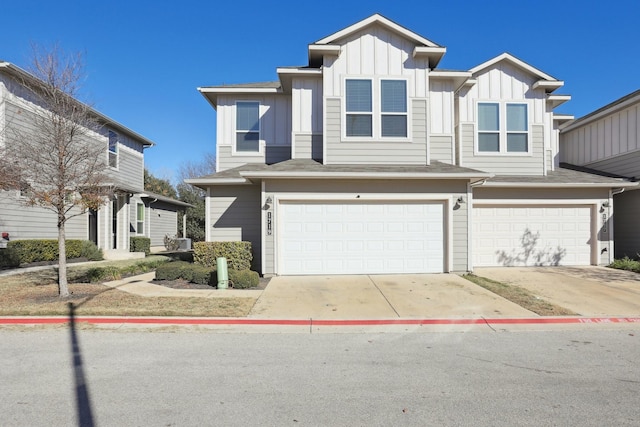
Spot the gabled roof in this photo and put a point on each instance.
(547, 82)
(330, 44)
(15, 71)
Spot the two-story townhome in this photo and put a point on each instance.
(608, 140)
(371, 159)
(131, 211)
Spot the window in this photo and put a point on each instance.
(113, 149)
(248, 126)
(359, 108)
(502, 128)
(393, 103)
(376, 108)
(140, 219)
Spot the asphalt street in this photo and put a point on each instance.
(191, 377)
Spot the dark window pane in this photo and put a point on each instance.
(249, 141)
(517, 142)
(489, 142)
(358, 95)
(394, 125)
(359, 125)
(247, 116)
(394, 96)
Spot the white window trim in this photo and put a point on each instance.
(144, 213)
(261, 143)
(376, 113)
(502, 128)
(116, 152)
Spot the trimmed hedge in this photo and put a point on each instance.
(194, 273)
(37, 250)
(9, 258)
(140, 244)
(243, 279)
(238, 254)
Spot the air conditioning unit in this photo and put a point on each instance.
(184, 244)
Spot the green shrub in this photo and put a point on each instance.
(626, 263)
(101, 274)
(90, 251)
(37, 250)
(238, 254)
(9, 258)
(243, 279)
(140, 244)
(193, 273)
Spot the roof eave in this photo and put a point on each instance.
(363, 175)
(560, 185)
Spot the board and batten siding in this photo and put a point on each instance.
(375, 51)
(275, 130)
(441, 107)
(375, 151)
(503, 164)
(336, 190)
(306, 102)
(609, 137)
(235, 215)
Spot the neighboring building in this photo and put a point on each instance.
(370, 159)
(131, 212)
(608, 140)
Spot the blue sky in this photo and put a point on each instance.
(145, 59)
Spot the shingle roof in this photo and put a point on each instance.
(562, 176)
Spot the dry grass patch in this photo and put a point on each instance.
(34, 294)
(520, 296)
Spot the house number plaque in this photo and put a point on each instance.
(268, 223)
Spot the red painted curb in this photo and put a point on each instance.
(311, 322)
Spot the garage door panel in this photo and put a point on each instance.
(361, 237)
(559, 235)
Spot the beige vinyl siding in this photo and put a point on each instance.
(375, 152)
(31, 222)
(626, 225)
(235, 215)
(308, 146)
(272, 154)
(504, 164)
(130, 170)
(441, 148)
(612, 135)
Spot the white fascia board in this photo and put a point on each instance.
(560, 185)
(459, 78)
(547, 85)
(563, 117)
(364, 175)
(505, 56)
(434, 54)
(216, 181)
(379, 19)
(286, 75)
(556, 100)
(325, 49)
(238, 90)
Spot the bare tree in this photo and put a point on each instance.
(60, 154)
(195, 225)
(197, 168)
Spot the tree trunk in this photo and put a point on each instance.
(63, 287)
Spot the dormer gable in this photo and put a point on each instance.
(331, 45)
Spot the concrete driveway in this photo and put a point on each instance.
(588, 291)
(380, 297)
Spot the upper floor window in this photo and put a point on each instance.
(376, 108)
(113, 149)
(502, 128)
(247, 126)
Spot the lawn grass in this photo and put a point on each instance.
(36, 294)
(520, 296)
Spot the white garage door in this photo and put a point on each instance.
(360, 237)
(525, 236)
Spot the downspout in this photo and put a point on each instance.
(470, 187)
(611, 222)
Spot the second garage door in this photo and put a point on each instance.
(531, 235)
(360, 237)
